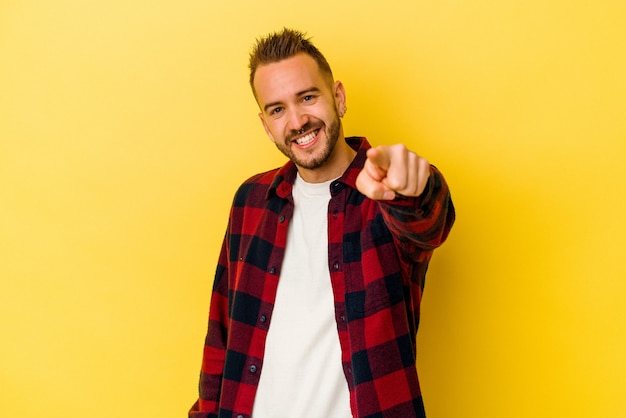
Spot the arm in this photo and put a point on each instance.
(413, 196)
(421, 223)
(214, 353)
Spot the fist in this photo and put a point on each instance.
(392, 170)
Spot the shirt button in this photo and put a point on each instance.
(281, 219)
(252, 369)
(342, 318)
(272, 270)
(336, 266)
(263, 318)
(239, 416)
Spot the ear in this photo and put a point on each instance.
(267, 130)
(340, 98)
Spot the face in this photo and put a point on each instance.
(300, 110)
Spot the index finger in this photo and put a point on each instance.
(379, 156)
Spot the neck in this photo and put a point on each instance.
(337, 164)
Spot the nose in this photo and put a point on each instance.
(297, 120)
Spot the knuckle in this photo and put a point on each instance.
(397, 183)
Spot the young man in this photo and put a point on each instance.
(315, 304)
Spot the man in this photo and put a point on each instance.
(315, 304)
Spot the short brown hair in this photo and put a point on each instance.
(278, 46)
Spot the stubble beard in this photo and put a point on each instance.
(323, 155)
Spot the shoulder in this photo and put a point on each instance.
(255, 188)
(261, 179)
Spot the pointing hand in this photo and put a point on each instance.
(392, 170)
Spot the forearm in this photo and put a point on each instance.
(421, 223)
(214, 351)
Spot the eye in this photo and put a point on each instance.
(309, 98)
(276, 110)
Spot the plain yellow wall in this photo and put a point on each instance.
(126, 126)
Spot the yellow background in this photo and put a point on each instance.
(125, 127)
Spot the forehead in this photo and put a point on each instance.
(283, 79)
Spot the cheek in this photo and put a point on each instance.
(276, 130)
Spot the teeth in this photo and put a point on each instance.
(305, 139)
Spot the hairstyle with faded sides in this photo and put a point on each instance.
(278, 46)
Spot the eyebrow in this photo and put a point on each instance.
(300, 93)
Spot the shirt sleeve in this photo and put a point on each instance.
(215, 344)
(421, 224)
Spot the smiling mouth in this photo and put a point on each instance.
(306, 139)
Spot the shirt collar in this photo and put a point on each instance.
(282, 184)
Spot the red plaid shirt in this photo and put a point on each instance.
(378, 253)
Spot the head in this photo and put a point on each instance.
(300, 103)
(287, 43)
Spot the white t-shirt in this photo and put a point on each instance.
(302, 375)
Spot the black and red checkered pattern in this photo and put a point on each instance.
(378, 256)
